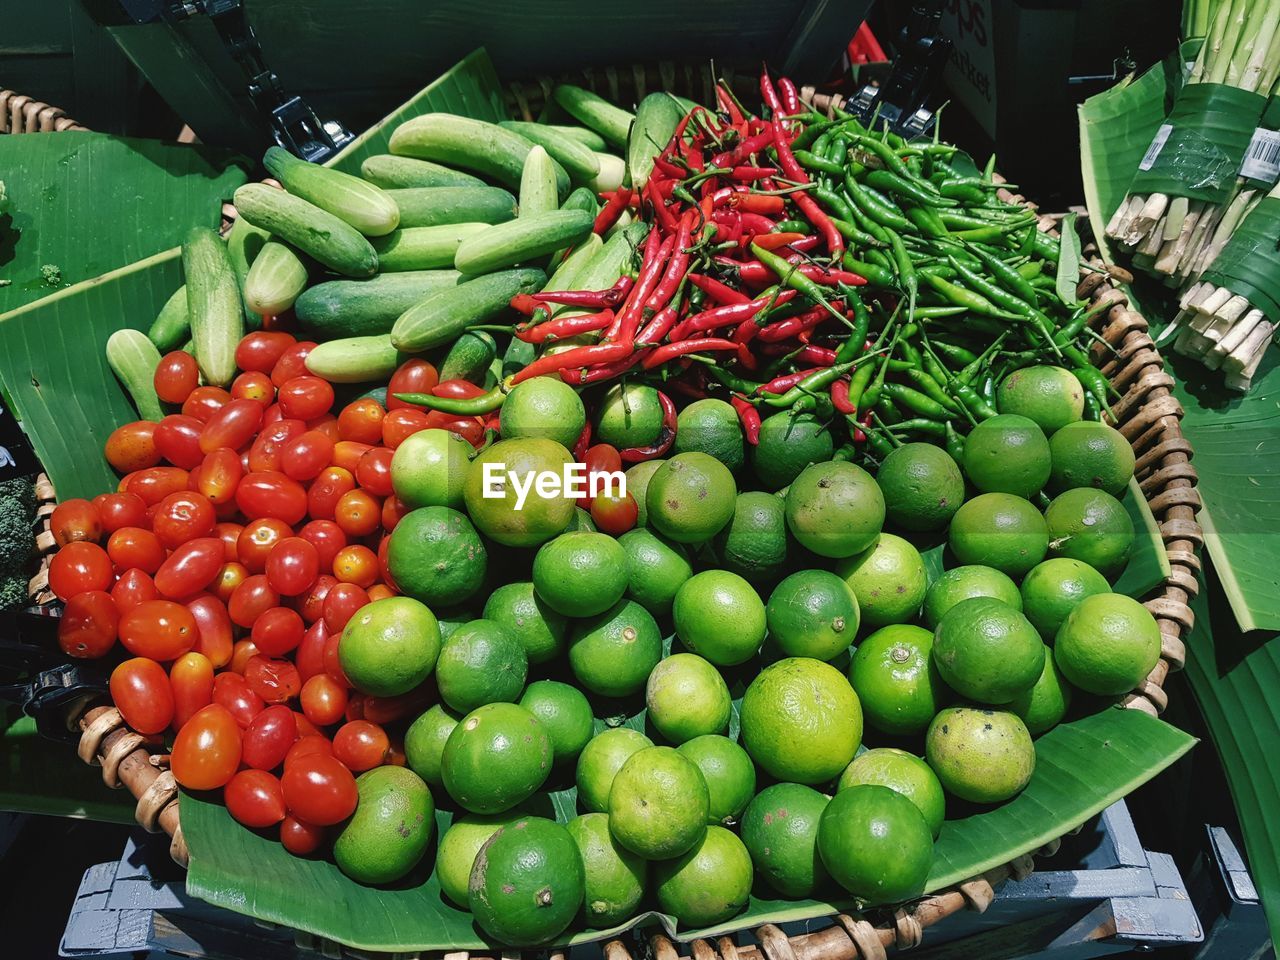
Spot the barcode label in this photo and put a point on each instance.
(1157, 144)
(1262, 159)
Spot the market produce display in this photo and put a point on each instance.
(785, 355)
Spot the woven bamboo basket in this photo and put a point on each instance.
(1147, 414)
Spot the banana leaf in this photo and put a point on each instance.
(42, 776)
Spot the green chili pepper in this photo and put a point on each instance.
(879, 445)
(811, 161)
(930, 428)
(793, 278)
(1031, 270)
(850, 231)
(905, 186)
(1005, 275)
(989, 388)
(969, 193)
(877, 276)
(932, 389)
(858, 383)
(1091, 409)
(907, 277)
(839, 150)
(1095, 383)
(833, 202)
(818, 404)
(810, 133)
(991, 291)
(926, 218)
(865, 223)
(880, 259)
(885, 154)
(953, 352)
(916, 401)
(820, 145)
(954, 443)
(968, 299)
(939, 313)
(486, 402)
(970, 397)
(877, 207)
(818, 380)
(853, 346)
(886, 409)
(793, 226)
(732, 383)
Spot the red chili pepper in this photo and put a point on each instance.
(612, 210)
(658, 327)
(728, 105)
(664, 166)
(756, 273)
(808, 206)
(716, 290)
(805, 244)
(735, 313)
(757, 223)
(603, 371)
(748, 416)
(786, 381)
(840, 396)
(524, 303)
(690, 390)
(769, 94)
(672, 351)
(858, 435)
(583, 442)
(749, 146)
(820, 356)
(666, 436)
(577, 357)
(748, 174)
(666, 220)
(677, 267)
(772, 241)
(794, 326)
(789, 95)
(566, 327)
(758, 203)
(655, 256)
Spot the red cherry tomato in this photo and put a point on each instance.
(356, 564)
(75, 519)
(156, 483)
(278, 631)
(213, 629)
(176, 376)
(602, 458)
(320, 790)
(412, 376)
(347, 454)
(254, 386)
(380, 591)
(299, 837)
(614, 514)
(326, 490)
(333, 662)
(242, 652)
(133, 587)
(400, 424)
(361, 745)
(456, 389)
(271, 494)
(261, 350)
(220, 473)
(116, 510)
(251, 599)
(229, 534)
(292, 362)
(327, 537)
(269, 737)
(312, 745)
(183, 516)
(190, 568)
(267, 451)
(361, 420)
(204, 402)
(229, 577)
(232, 426)
(305, 397)
(327, 424)
(254, 798)
(140, 691)
(309, 657)
(159, 629)
(469, 429)
(135, 547)
(132, 447)
(275, 681)
(311, 604)
(178, 440)
(206, 751)
(306, 455)
(292, 566)
(341, 604)
(357, 513)
(232, 692)
(78, 567)
(88, 625)
(257, 540)
(393, 509)
(191, 678)
(324, 700)
(373, 471)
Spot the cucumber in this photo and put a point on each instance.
(244, 242)
(213, 303)
(538, 184)
(657, 117)
(518, 355)
(588, 138)
(348, 308)
(388, 171)
(172, 325)
(578, 160)
(354, 359)
(485, 148)
(613, 171)
(443, 316)
(334, 242)
(595, 112)
(275, 279)
(469, 357)
(521, 240)
(582, 199)
(566, 275)
(423, 248)
(133, 359)
(350, 199)
(432, 206)
(687, 105)
(615, 258)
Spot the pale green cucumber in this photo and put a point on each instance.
(577, 159)
(595, 113)
(244, 242)
(354, 359)
(588, 138)
(172, 326)
(616, 257)
(332, 241)
(389, 172)
(133, 359)
(433, 206)
(213, 303)
(538, 184)
(423, 248)
(580, 199)
(349, 308)
(276, 277)
(613, 173)
(657, 116)
(350, 199)
(566, 275)
(443, 316)
(521, 240)
(469, 357)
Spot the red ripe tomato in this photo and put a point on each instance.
(191, 678)
(333, 662)
(271, 494)
(261, 350)
(183, 516)
(311, 745)
(229, 534)
(220, 473)
(88, 625)
(156, 483)
(305, 727)
(292, 363)
(176, 376)
(292, 566)
(347, 454)
(456, 389)
(135, 547)
(206, 751)
(327, 424)
(602, 458)
(387, 710)
(361, 420)
(306, 455)
(361, 745)
(229, 577)
(78, 567)
(159, 629)
(204, 402)
(412, 376)
(190, 568)
(380, 591)
(384, 546)
(132, 447)
(324, 700)
(251, 599)
(373, 471)
(278, 631)
(75, 519)
(257, 540)
(469, 429)
(275, 681)
(213, 629)
(319, 790)
(254, 386)
(177, 438)
(267, 451)
(305, 397)
(255, 798)
(299, 837)
(269, 737)
(357, 513)
(341, 604)
(232, 692)
(311, 604)
(309, 657)
(133, 587)
(243, 651)
(614, 514)
(326, 490)
(234, 425)
(327, 537)
(356, 564)
(116, 510)
(393, 508)
(140, 690)
(400, 424)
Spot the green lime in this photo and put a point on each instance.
(730, 775)
(835, 509)
(780, 830)
(707, 885)
(481, 662)
(612, 654)
(876, 843)
(801, 721)
(526, 885)
(389, 646)
(754, 544)
(690, 498)
(984, 756)
(541, 631)
(987, 651)
(1108, 644)
(424, 742)
(615, 877)
(502, 491)
(964, 583)
(600, 761)
(1043, 706)
(658, 804)
(1091, 454)
(656, 568)
(904, 773)
(686, 697)
(580, 574)
(1007, 454)
(719, 615)
(456, 852)
(638, 478)
(788, 444)
(629, 415)
(711, 427)
(1050, 396)
(436, 556)
(893, 674)
(1091, 526)
(813, 613)
(389, 832)
(496, 757)
(544, 407)
(889, 581)
(450, 619)
(999, 530)
(429, 469)
(922, 486)
(564, 714)
(1051, 589)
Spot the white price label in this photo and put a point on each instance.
(1262, 159)
(1157, 144)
